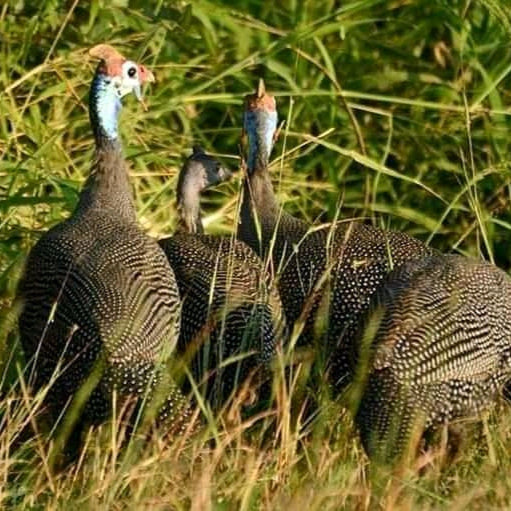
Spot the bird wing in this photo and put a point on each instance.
(438, 320)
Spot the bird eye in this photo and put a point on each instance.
(132, 71)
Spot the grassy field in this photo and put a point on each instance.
(397, 111)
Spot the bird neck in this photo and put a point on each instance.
(259, 214)
(188, 208)
(260, 209)
(107, 187)
(260, 127)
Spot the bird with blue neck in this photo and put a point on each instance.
(100, 303)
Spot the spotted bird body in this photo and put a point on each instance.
(231, 315)
(96, 291)
(441, 350)
(325, 274)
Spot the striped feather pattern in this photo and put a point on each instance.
(229, 312)
(329, 275)
(98, 295)
(441, 351)
(326, 275)
(111, 293)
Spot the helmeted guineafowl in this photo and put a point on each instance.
(333, 269)
(199, 172)
(435, 346)
(99, 299)
(232, 319)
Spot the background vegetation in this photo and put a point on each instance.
(397, 111)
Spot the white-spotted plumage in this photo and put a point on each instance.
(441, 349)
(232, 317)
(325, 275)
(96, 291)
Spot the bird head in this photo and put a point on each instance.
(203, 170)
(259, 126)
(260, 100)
(123, 75)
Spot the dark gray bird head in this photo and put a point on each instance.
(202, 171)
(199, 172)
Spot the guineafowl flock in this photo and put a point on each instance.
(406, 337)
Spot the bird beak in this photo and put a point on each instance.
(137, 90)
(146, 75)
(261, 89)
(138, 94)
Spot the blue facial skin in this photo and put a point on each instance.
(260, 127)
(105, 105)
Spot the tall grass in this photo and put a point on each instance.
(396, 111)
